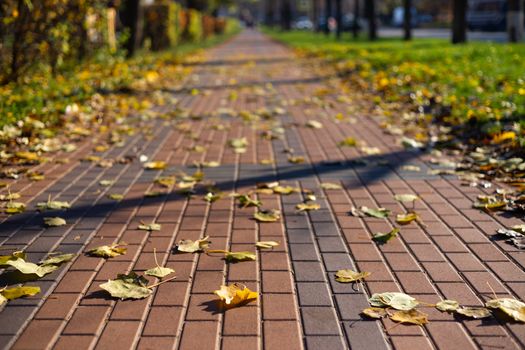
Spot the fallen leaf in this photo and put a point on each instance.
(447, 305)
(166, 181)
(405, 197)
(413, 168)
(14, 208)
(10, 196)
(513, 308)
(190, 246)
(411, 316)
(405, 219)
(296, 159)
(52, 205)
(107, 251)
(116, 196)
(474, 312)
(247, 201)
(385, 237)
(17, 261)
(57, 259)
(131, 286)
(347, 276)
(211, 197)
(330, 186)
(106, 183)
(348, 142)
(19, 292)
(54, 221)
(240, 256)
(266, 244)
(159, 271)
(396, 300)
(371, 151)
(314, 124)
(411, 143)
(375, 312)
(149, 227)
(380, 213)
(307, 206)
(157, 165)
(285, 189)
(236, 294)
(239, 145)
(271, 215)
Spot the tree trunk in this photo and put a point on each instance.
(370, 9)
(315, 15)
(459, 21)
(355, 29)
(269, 13)
(286, 15)
(338, 18)
(328, 14)
(515, 21)
(130, 18)
(407, 20)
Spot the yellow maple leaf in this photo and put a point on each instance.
(236, 294)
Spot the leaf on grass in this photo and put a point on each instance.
(149, 227)
(447, 305)
(307, 206)
(314, 124)
(131, 286)
(159, 271)
(513, 308)
(405, 219)
(271, 215)
(405, 197)
(347, 276)
(107, 251)
(266, 244)
(396, 300)
(385, 237)
(19, 292)
(411, 316)
(15, 208)
(54, 222)
(189, 246)
(330, 186)
(236, 294)
(158, 165)
(474, 312)
(375, 312)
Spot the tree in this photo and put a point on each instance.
(315, 14)
(355, 26)
(459, 21)
(328, 14)
(286, 15)
(515, 21)
(370, 10)
(338, 18)
(407, 20)
(130, 18)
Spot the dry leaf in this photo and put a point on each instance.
(474, 312)
(106, 251)
(399, 301)
(447, 305)
(271, 215)
(266, 244)
(158, 165)
(190, 246)
(411, 316)
(149, 227)
(405, 197)
(307, 206)
(18, 292)
(385, 237)
(129, 286)
(330, 186)
(159, 271)
(54, 221)
(405, 219)
(374, 312)
(513, 308)
(314, 124)
(236, 294)
(347, 276)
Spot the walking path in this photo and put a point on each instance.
(450, 256)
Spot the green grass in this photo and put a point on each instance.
(45, 97)
(477, 82)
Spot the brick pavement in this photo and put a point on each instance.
(301, 306)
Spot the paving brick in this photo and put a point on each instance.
(319, 321)
(39, 334)
(281, 335)
(124, 331)
(162, 321)
(87, 320)
(241, 321)
(199, 335)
